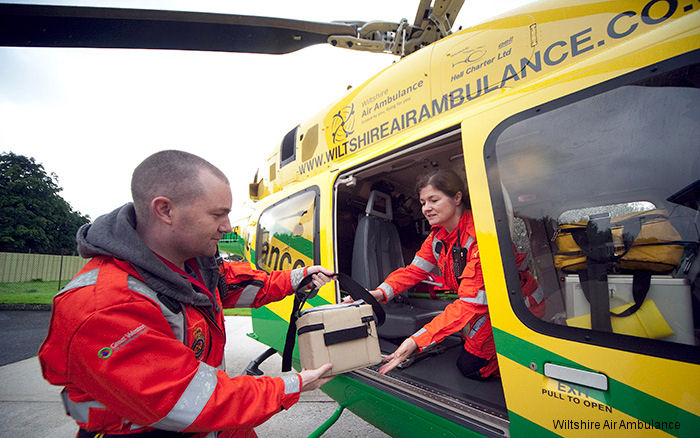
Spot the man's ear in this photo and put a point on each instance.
(162, 207)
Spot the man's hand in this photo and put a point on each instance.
(394, 359)
(311, 379)
(320, 275)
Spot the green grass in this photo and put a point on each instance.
(29, 292)
(42, 292)
(237, 312)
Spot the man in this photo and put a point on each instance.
(137, 337)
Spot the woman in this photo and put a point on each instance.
(452, 247)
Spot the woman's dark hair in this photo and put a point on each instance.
(447, 182)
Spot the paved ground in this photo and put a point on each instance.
(30, 407)
(22, 334)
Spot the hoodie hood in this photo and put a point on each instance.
(114, 234)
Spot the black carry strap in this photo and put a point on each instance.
(300, 297)
(355, 290)
(358, 292)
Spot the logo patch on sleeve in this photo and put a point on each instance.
(106, 352)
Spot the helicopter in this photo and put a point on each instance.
(560, 118)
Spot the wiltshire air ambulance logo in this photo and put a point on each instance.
(198, 342)
(343, 124)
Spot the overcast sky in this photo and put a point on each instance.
(91, 115)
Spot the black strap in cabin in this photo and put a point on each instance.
(641, 281)
(353, 288)
(599, 250)
(597, 245)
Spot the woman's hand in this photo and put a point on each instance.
(320, 275)
(405, 349)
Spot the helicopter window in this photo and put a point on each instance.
(604, 193)
(287, 233)
(309, 141)
(288, 148)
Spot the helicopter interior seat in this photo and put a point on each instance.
(376, 253)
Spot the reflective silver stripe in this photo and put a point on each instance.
(470, 242)
(436, 254)
(419, 332)
(388, 290)
(297, 276)
(423, 264)
(465, 329)
(175, 320)
(192, 401)
(480, 298)
(477, 325)
(79, 411)
(292, 384)
(85, 279)
(538, 295)
(248, 296)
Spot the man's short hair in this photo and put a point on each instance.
(173, 174)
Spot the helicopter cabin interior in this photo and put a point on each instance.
(379, 228)
(546, 181)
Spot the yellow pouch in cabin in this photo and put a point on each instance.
(642, 241)
(646, 322)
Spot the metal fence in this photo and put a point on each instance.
(16, 267)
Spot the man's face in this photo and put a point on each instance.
(198, 225)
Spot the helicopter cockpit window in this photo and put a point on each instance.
(603, 195)
(288, 148)
(287, 233)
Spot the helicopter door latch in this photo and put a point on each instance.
(574, 375)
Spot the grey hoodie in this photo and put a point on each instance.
(114, 234)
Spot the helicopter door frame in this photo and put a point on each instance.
(449, 408)
(526, 344)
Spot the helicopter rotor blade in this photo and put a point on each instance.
(24, 25)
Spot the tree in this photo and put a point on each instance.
(33, 216)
